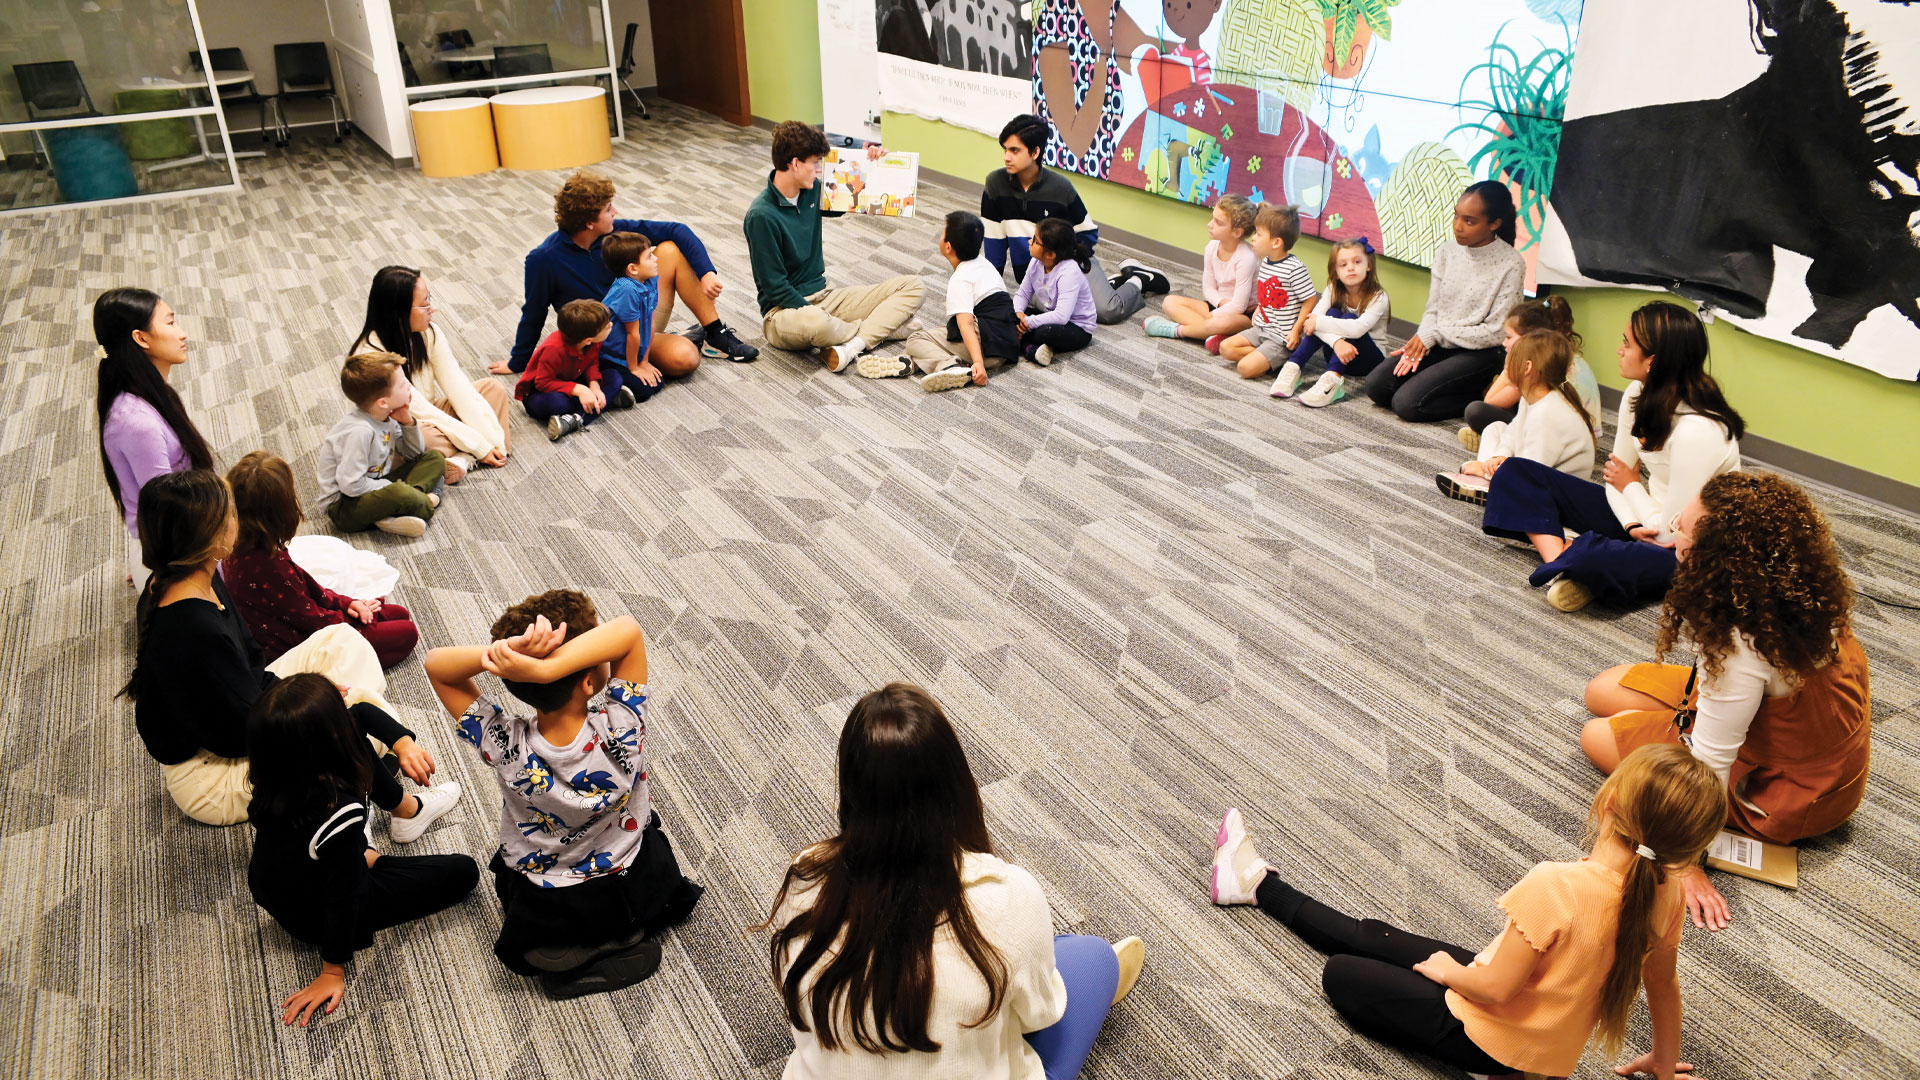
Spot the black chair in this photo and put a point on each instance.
(53, 90)
(626, 69)
(306, 73)
(407, 74)
(511, 60)
(240, 93)
(460, 70)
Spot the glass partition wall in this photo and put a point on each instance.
(107, 100)
(483, 47)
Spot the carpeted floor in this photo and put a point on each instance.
(1144, 591)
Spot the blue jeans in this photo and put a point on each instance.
(1527, 497)
(1092, 973)
(1369, 353)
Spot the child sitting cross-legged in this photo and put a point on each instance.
(281, 602)
(1227, 272)
(1550, 425)
(566, 382)
(1054, 306)
(1283, 285)
(1348, 321)
(586, 878)
(981, 329)
(375, 468)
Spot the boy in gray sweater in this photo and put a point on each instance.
(375, 468)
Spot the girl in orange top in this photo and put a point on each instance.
(1580, 938)
(1779, 703)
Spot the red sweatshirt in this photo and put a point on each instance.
(281, 603)
(557, 367)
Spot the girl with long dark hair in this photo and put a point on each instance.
(1456, 353)
(198, 672)
(1054, 304)
(1778, 703)
(903, 947)
(465, 419)
(1676, 422)
(313, 867)
(144, 427)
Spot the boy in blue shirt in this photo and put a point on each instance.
(631, 300)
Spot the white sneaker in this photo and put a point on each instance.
(842, 356)
(1238, 869)
(1043, 355)
(875, 366)
(1287, 381)
(402, 526)
(1566, 594)
(1331, 387)
(1469, 439)
(434, 801)
(952, 378)
(559, 427)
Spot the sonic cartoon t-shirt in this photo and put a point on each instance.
(572, 812)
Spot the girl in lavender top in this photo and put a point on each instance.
(1054, 304)
(144, 427)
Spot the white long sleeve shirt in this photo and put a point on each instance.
(1550, 431)
(1697, 450)
(1728, 704)
(1011, 911)
(1371, 322)
(469, 423)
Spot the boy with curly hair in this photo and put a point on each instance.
(586, 878)
(568, 266)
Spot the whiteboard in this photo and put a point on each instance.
(850, 69)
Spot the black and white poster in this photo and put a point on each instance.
(967, 62)
(1760, 156)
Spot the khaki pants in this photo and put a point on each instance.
(872, 313)
(216, 791)
(498, 398)
(930, 352)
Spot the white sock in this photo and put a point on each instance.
(850, 350)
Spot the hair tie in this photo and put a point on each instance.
(1643, 851)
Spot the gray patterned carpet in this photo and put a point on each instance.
(1145, 591)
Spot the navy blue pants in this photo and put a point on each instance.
(547, 404)
(1526, 497)
(1369, 353)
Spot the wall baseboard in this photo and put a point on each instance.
(1765, 451)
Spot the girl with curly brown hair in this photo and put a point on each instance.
(1778, 701)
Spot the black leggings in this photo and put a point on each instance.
(1061, 337)
(375, 723)
(1441, 388)
(1480, 414)
(1370, 980)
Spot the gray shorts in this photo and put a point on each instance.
(1270, 343)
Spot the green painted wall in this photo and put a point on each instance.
(1809, 402)
(783, 60)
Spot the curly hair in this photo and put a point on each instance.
(1763, 564)
(559, 606)
(580, 200)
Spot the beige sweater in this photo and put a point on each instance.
(471, 424)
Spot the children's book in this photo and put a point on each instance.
(852, 184)
(1776, 864)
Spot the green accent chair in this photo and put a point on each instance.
(155, 140)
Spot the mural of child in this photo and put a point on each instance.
(1186, 20)
(1080, 49)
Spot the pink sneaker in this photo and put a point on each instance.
(1213, 343)
(1238, 869)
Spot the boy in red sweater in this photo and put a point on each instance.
(563, 379)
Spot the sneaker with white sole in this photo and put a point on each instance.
(1285, 383)
(844, 355)
(724, 343)
(1469, 439)
(402, 526)
(952, 378)
(1132, 954)
(623, 399)
(1566, 594)
(559, 427)
(1043, 355)
(1152, 282)
(434, 801)
(1463, 486)
(875, 366)
(1329, 388)
(1238, 869)
(1160, 326)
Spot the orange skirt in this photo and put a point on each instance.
(1669, 684)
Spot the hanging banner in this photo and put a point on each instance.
(965, 62)
(1759, 156)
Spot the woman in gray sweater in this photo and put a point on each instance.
(1452, 359)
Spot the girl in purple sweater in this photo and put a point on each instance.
(1054, 303)
(144, 428)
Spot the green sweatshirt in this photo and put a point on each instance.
(783, 243)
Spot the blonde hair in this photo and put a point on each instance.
(1369, 287)
(1240, 211)
(365, 376)
(1665, 801)
(1550, 354)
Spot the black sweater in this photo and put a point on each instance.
(307, 874)
(200, 673)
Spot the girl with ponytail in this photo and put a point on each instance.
(144, 427)
(1580, 937)
(198, 672)
(1551, 425)
(1502, 399)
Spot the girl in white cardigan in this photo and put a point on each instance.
(903, 948)
(1550, 424)
(1673, 420)
(465, 420)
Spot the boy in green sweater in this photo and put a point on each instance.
(797, 309)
